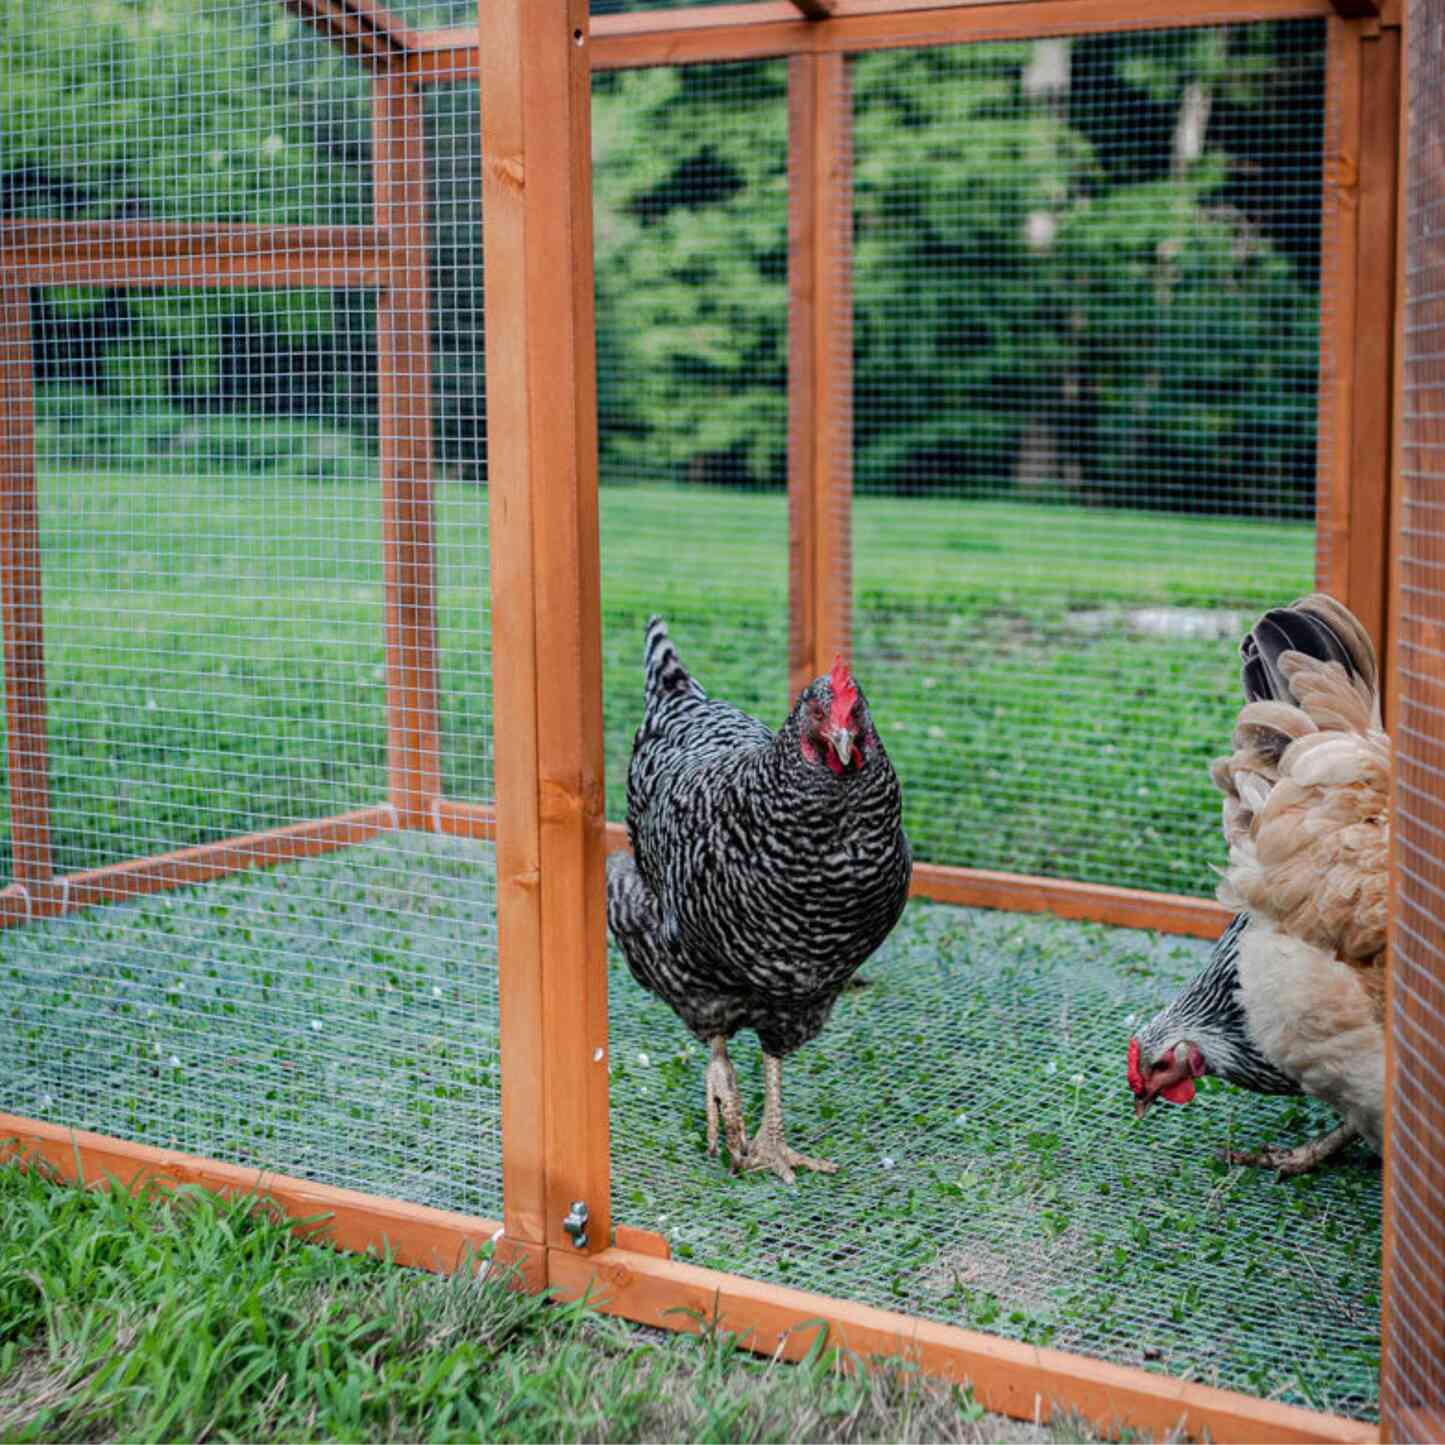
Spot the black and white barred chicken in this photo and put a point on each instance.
(1292, 999)
(765, 867)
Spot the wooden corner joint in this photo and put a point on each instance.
(641, 1241)
(526, 1260)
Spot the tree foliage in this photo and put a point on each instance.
(1084, 267)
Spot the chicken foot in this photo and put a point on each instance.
(1299, 1160)
(724, 1101)
(769, 1150)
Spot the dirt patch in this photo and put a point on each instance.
(1203, 623)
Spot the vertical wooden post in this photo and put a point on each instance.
(1412, 1324)
(820, 364)
(1338, 306)
(21, 614)
(546, 578)
(404, 423)
(1368, 560)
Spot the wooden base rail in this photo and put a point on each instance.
(637, 1281)
(1086, 902)
(1006, 1376)
(964, 887)
(206, 861)
(423, 1238)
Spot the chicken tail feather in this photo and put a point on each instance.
(662, 667)
(1306, 789)
(1321, 632)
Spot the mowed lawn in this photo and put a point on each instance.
(215, 656)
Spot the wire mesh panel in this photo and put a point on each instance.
(991, 1173)
(1414, 1371)
(234, 929)
(452, 116)
(1086, 309)
(691, 204)
(1086, 398)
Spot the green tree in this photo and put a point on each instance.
(691, 203)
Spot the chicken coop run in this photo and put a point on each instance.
(367, 378)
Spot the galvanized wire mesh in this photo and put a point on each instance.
(1086, 295)
(1413, 1384)
(690, 188)
(1086, 292)
(992, 1174)
(250, 568)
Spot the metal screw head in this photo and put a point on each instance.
(575, 1223)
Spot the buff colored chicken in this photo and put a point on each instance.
(1292, 999)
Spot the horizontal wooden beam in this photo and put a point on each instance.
(964, 887)
(183, 254)
(416, 1236)
(1007, 1376)
(162, 871)
(1024, 893)
(360, 28)
(464, 820)
(1087, 902)
(705, 33)
(1357, 9)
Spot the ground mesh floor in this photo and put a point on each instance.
(337, 1019)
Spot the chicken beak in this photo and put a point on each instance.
(1141, 1105)
(842, 741)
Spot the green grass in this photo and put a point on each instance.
(215, 658)
(155, 1318)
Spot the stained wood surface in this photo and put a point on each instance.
(1372, 378)
(1412, 1382)
(404, 438)
(21, 607)
(1024, 1381)
(191, 254)
(360, 28)
(707, 33)
(137, 877)
(541, 413)
(1339, 228)
(820, 365)
(417, 1236)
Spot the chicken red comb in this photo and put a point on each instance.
(1136, 1077)
(845, 692)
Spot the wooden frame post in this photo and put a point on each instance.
(546, 586)
(1412, 1296)
(21, 616)
(820, 364)
(1367, 562)
(404, 440)
(1357, 338)
(1338, 274)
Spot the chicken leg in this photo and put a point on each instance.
(1299, 1160)
(769, 1150)
(723, 1100)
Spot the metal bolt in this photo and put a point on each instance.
(575, 1223)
